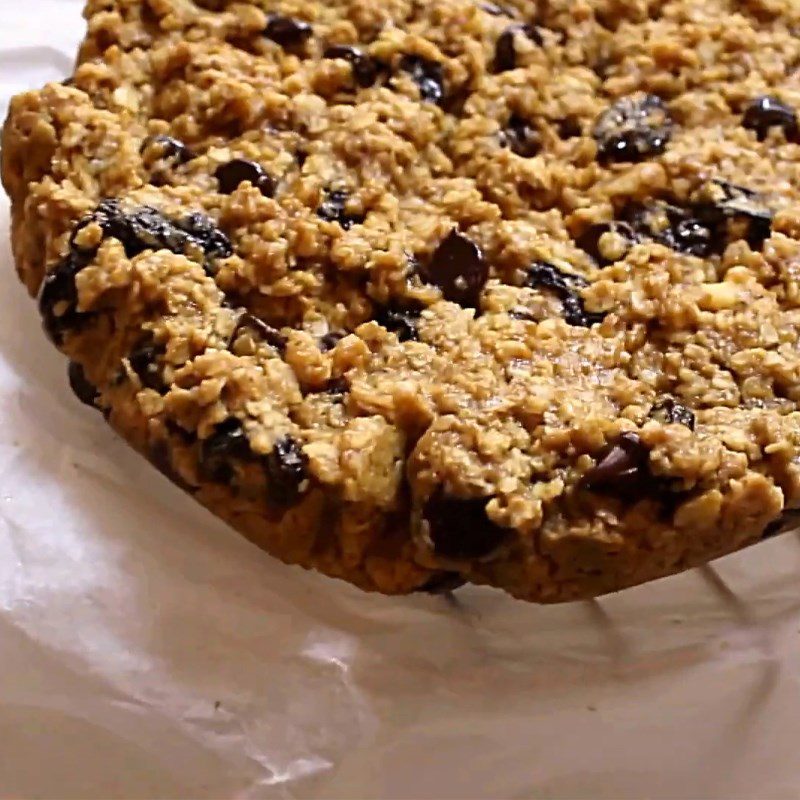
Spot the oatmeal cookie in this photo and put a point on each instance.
(418, 293)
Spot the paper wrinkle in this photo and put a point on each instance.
(150, 651)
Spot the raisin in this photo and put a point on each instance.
(442, 583)
(567, 288)
(765, 113)
(634, 128)
(59, 297)
(622, 469)
(238, 171)
(400, 321)
(590, 241)
(459, 269)
(521, 137)
(227, 443)
(428, 75)
(330, 340)
(85, 391)
(460, 529)
(365, 68)
(669, 412)
(333, 210)
(167, 147)
(144, 362)
(505, 54)
(287, 471)
(288, 32)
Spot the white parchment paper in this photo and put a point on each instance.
(148, 651)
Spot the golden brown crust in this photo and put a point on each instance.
(505, 294)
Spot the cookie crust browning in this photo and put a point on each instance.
(421, 293)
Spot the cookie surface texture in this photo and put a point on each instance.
(422, 293)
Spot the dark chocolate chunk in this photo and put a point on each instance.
(428, 75)
(623, 469)
(737, 204)
(401, 321)
(680, 229)
(569, 127)
(459, 269)
(238, 171)
(669, 412)
(85, 391)
(288, 32)
(228, 443)
(259, 330)
(567, 288)
(59, 296)
(330, 340)
(365, 68)
(505, 54)
(204, 233)
(589, 240)
(442, 583)
(788, 521)
(633, 129)
(460, 529)
(333, 210)
(765, 113)
(287, 471)
(144, 362)
(521, 137)
(167, 147)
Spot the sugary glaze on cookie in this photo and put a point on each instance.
(417, 292)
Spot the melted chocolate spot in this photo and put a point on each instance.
(85, 391)
(239, 171)
(622, 470)
(428, 75)
(505, 55)
(287, 471)
(765, 113)
(633, 129)
(288, 32)
(669, 412)
(365, 68)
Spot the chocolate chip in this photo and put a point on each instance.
(680, 229)
(569, 127)
(442, 583)
(333, 210)
(590, 240)
(669, 412)
(459, 269)
(428, 75)
(765, 113)
(567, 288)
(161, 459)
(288, 32)
(459, 528)
(623, 469)
(633, 129)
(330, 340)
(167, 147)
(226, 444)
(85, 391)
(505, 54)
(59, 297)
(736, 203)
(787, 521)
(144, 362)
(337, 387)
(259, 330)
(287, 471)
(204, 233)
(239, 171)
(365, 68)
(521, 137)
(400, 321)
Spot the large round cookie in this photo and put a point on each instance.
(417, 292)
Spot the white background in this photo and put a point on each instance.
(146, 650)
